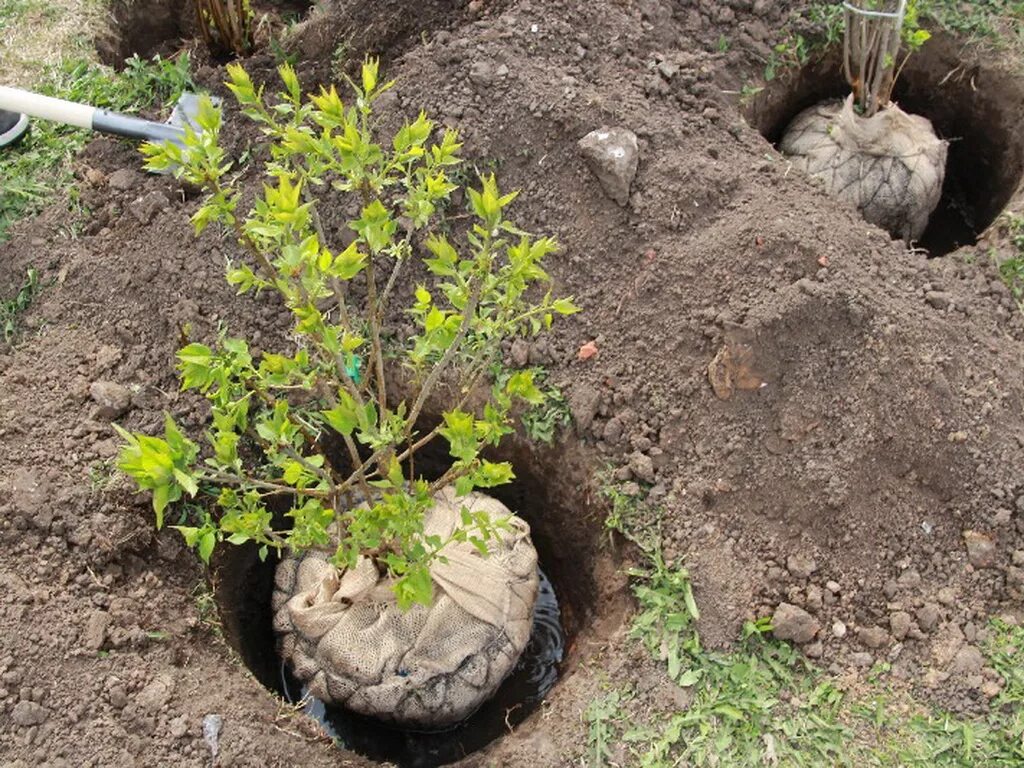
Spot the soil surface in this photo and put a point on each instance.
(826, 419)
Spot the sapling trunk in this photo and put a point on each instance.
(871, 45)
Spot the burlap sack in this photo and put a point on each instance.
(344, 635)
(890, 165)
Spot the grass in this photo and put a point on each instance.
(13, 307)
(41, 165)
(765, 704)
(1011, 270)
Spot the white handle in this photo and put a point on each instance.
(46, 107)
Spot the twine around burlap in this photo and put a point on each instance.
(344, 635)
(890, 165)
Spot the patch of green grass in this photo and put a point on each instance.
(1011, 270)
(41, 165)
(765, 704)
(13, 307)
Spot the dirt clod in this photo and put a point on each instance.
(112, 399)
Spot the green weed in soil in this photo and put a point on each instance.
(13, 307)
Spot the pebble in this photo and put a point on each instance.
(801, 566)
(95, 630)
(899, 624)
(873, 637)
(981, 550)
(112, 399)
(928, 616)
(839, 629)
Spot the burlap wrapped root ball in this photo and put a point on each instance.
(890, 165)
(344, 635)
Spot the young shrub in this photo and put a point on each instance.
(318, 428)
(866, 150)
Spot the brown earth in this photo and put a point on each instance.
(825, 418)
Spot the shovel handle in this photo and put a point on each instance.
(85, 116)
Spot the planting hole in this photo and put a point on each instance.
(566, 538)
(143, 30)
(976, 107)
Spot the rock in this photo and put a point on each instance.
(29, 713)
(862, 659)
(111, 399)
(814, 650)
(839, 629)
(981, 550)
(928, 616)
(156, 694)
(118, 697)
(520, 353)
(584, 402)
(642, 467)
(123, 179)
(482, 73)
(909, 579)
(145, 208)
(791, 622)
(899, 624)
(96, 630)
(612, 154)
(211, 733)
(937, 299)
(179, 727)
(873, 637)
(801, 566)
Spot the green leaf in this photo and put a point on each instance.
(206, 544)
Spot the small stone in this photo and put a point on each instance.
(668, 69)
(613, 155)
(96, 630)
(112, 399)
(801, 566)
(145, 208)
(862, 659)
(482, 73)
(937, 299)
(928, 616)
(118, 697)
(790, 622)
(909, 579)
(981, 550)
(584, 402)
(946, 596)
(899, 624)
(642, 467)
(873, 637)
(814, 650)
(839, 629)
(179, 727)
(28, 713)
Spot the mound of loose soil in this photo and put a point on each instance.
(826, 419)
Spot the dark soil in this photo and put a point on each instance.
(876, 412)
